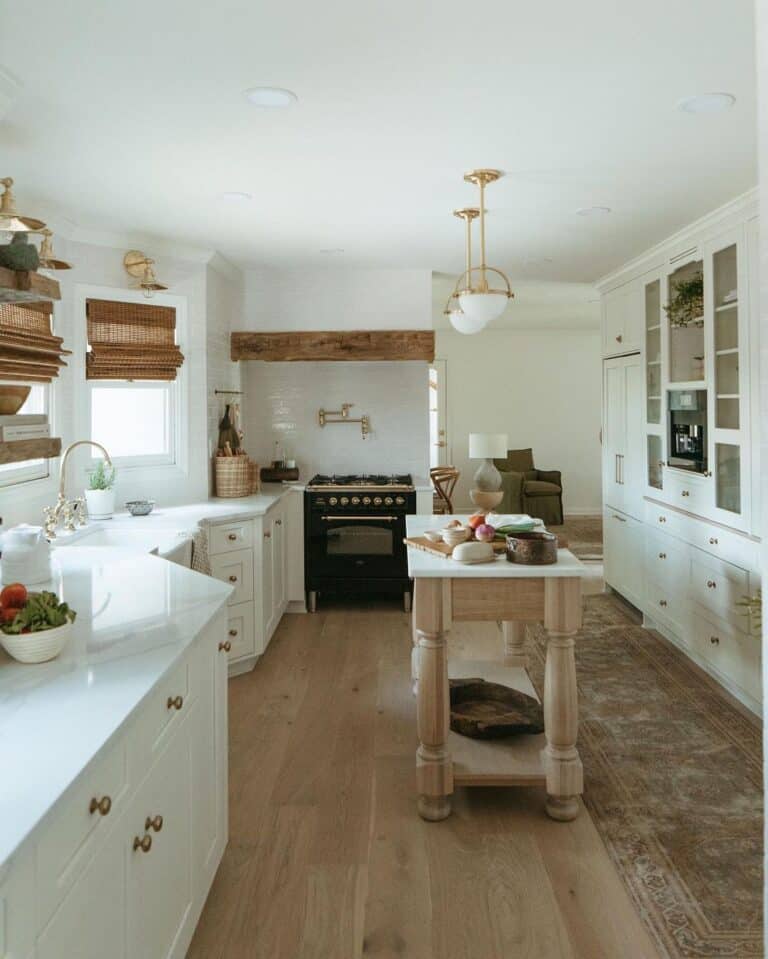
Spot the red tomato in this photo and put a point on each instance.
(8, 614)
(14, 595)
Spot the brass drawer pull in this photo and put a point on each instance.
(711, 584)
(685, 492)
(233, 578)
(232, 537)
(153, 822)
(662, 519)
(267, 535)
(278, 522)
(233, 633)
(662, 602)
(662, 555)
(712, 541)
(145, 843)
(175, 702)
(715, 640)
(225, 646)
(102, 806)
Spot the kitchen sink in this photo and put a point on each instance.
(171, 545)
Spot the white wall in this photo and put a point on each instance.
(282, 399)
(542, 388)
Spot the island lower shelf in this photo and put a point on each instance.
(514, 761)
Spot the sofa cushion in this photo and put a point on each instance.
(540, 488)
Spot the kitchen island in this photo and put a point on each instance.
(447, 591)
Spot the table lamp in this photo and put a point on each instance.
(487, 447)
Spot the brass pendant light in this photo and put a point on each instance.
(477, 302)
(47, 260)
(139, 266)
(10, 220)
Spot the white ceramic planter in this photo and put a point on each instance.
(36, 647)
(101, 503)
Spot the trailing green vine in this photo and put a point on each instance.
(687, 305)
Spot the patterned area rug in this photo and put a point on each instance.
(584, 535)
(673, 782)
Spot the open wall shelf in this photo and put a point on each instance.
(18, 451)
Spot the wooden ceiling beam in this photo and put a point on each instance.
(335, 345)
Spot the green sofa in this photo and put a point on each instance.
(530, 490)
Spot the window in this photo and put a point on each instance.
(38, 401)
(134, 420)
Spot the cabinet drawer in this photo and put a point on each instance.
(79, 824)
(719, 587)
(733, 654)
(158, 720)
(235, 569)
(666, 562)
(229, 537)
(666, 606)
(726, 545)
(240, 631)
(664, 520)
(689, 493)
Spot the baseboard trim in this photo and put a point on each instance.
(244, 665)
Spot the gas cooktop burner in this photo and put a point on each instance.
(362, 480)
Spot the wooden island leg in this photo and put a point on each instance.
(562, 619)
(434, 768)
(514, 644)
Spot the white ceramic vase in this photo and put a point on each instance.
(101, 503)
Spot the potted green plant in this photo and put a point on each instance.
(686, 307)
(100, 494)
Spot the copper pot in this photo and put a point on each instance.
(537, 548)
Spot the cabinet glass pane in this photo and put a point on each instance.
(726, 328)
(685, 313)
(726, 321)
(728, 477)
(655, 462)
(725, 271)
(653, 351)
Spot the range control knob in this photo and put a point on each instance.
(388, 501)
(377, 501)
(400, 500)
(344, 500)
(355, 500)
(366, 501)
(333, 501)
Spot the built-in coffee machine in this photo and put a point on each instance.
(688, 430)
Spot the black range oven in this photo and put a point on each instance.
(354, 528)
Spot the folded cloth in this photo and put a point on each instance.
(201, 561)
(511, 519)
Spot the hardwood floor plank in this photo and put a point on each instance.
(335, 912)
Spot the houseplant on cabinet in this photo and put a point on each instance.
(100, 495)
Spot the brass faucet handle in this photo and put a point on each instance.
(68, 513)
(81, 510)
(49, 524)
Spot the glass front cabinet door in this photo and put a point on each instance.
(654, 406)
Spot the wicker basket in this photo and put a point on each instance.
(236, 476)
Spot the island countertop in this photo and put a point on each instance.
(422, 564)
(136, 615)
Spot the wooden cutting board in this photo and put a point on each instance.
(443, 549)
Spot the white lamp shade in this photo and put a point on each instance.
(483, 307)
(463, 324)
(487, 446)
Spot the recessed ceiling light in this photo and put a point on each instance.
(593, 211)
(236, 196)
(332, 251)
(706, 103)
(272, 98)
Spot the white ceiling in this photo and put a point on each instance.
(132, 118)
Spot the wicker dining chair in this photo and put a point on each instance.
(444, 479)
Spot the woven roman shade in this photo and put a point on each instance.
(131, 341)
(28, 349)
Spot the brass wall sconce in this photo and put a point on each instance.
(10, 220)
(139, 266)
(47, 260)
(342, 416)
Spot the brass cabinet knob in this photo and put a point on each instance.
(619, 338)
(225, 646)
(232, 537)
(662, 519)
(662, 555)
(685, 492)
(278, 522)
(715, 640)
(708, 473)
(711, 584)
(153, 822)
(662, 602)
(175, 702)
(233, 633)
(233, 578)
(145, 843)
(101, 806)
(712, 541)
(267, 535)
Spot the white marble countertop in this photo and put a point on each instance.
(431, 565)
(135, 617)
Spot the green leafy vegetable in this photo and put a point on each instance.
(42, 611)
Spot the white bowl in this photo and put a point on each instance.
(434, 535)
(36, 647)
(453, 535)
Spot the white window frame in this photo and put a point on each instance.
(164, 468)
(149, 460)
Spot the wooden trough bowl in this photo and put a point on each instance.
(483, 710)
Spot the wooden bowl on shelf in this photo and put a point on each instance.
(12, 398)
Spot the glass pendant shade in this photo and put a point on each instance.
(463, 323)
(481, 308)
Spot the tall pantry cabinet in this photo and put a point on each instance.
(681, 444)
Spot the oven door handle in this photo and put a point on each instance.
(361, 519)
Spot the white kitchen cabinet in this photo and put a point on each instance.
(144, 867)
(273, 571)
(623, 459)
(623, 555)
(622, 319)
